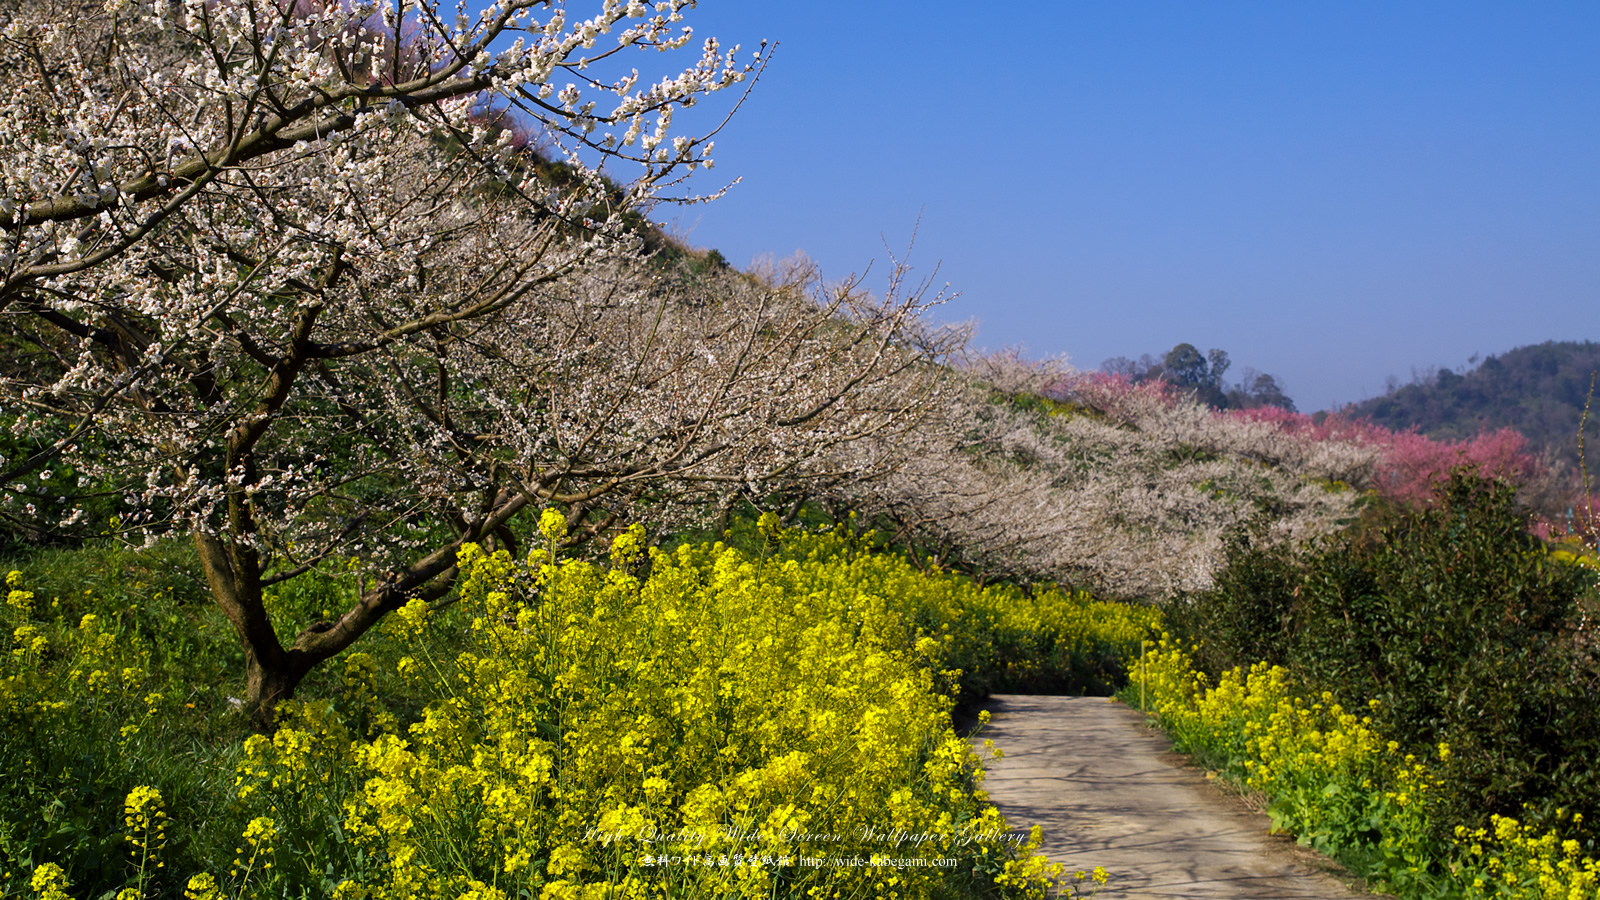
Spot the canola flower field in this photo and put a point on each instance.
(704, 722)
(1341, 787)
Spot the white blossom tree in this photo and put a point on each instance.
(1035, 472)
(265, 268)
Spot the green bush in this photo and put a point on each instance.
(1466, 630)
(1248, 610)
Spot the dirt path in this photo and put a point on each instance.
(1108, 791)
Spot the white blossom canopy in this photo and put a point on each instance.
(286, 274)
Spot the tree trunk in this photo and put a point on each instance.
(265, 688)
(273, 671)
(234, 575)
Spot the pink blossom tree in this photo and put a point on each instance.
(1410, 464)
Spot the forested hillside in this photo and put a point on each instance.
(1538, 390)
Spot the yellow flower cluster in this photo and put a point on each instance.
(260, 836)
(49, 882)
(700, 723)
(1573, 551)
(145, 817)
(1312, 758)
(1513, 861)
(731, 725)
(20, 601)
(97, 668)
(1335, 782)
(202, 887)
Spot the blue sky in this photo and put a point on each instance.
(1332, 193)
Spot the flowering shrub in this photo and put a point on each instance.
(1332, 779)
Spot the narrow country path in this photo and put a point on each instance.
(1108, 791)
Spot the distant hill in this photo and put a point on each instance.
(1538, 390)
